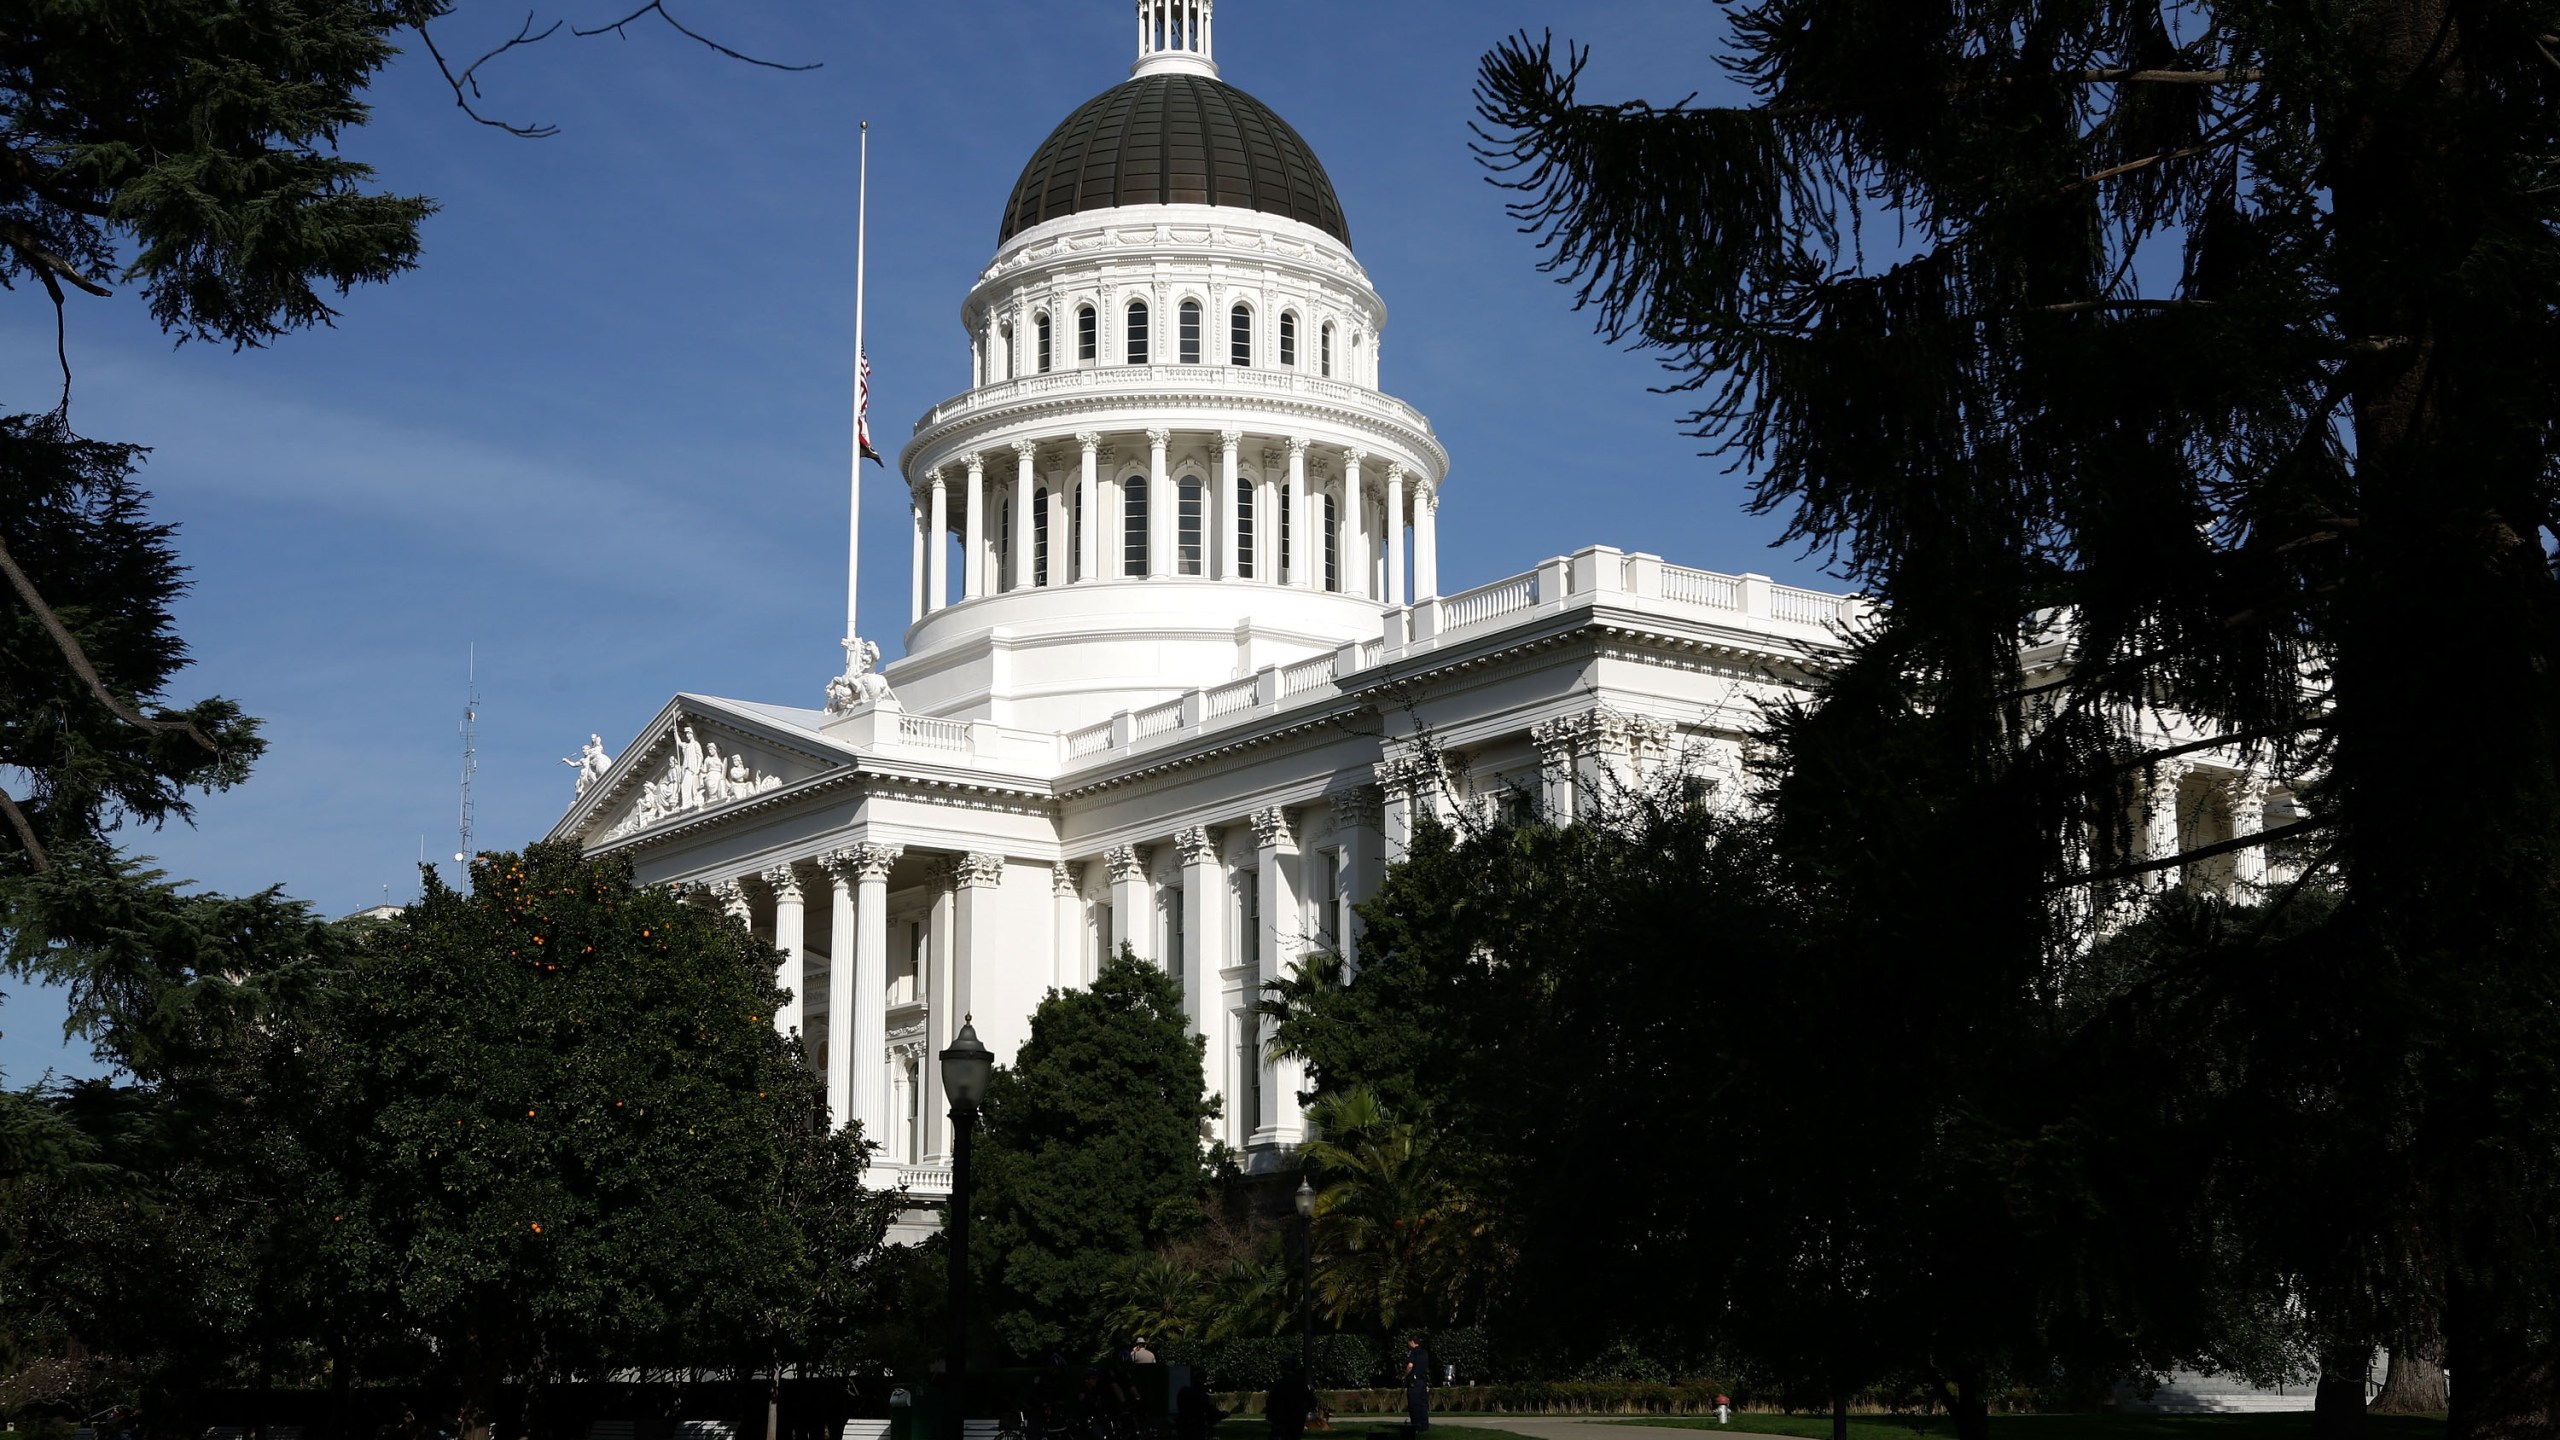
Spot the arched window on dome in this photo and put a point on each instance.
(1138, 353)
(1040, 537)
(1004, 343)
(1324, 351)
(1133, 527)
(1190, 538)
(1086, 335)
(1332, 545)
(1240, 335)
(1289, 339)
(1042, 339)
(1244, 530)
(1190, 332)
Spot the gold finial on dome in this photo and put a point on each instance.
(1176, 37)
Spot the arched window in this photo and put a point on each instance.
(1043, 324)
(1324, 351)
(1191, 514)
(1138, 349)
(1086, 335)
(1040, 536)
(1288, 524)
(1289, 338)
(1133, 527)
(1244, 531)
(1332, 545)
(1004, 342)
(1190, 332)
(1240, 336)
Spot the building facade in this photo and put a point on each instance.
(1180, 671)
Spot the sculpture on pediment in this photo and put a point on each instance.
(861, 683)
(590, 762)
(696, 776)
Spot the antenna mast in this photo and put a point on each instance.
(470, 758)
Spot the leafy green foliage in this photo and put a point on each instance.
(1401, 1240)
(1090, 1156)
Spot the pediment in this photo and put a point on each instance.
(691, 762)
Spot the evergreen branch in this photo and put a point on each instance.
(467, 89)
(2083, 307)
(44, 262)
(660, 6)
(2171, 77)
(79, 659)
(2201, 852)
(2236, 737)
(26, 833)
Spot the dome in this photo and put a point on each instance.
(1174, 139)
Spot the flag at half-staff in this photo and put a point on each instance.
(862, 410)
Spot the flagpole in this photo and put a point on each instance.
(853, 529)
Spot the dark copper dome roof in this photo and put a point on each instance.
(1174, 140)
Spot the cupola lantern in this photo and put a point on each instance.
(1175, 37)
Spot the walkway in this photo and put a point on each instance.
(1553, 1427)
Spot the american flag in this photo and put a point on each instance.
(862, 410)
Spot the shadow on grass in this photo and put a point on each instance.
(2291, 1425)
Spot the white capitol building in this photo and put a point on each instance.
(1181, 668)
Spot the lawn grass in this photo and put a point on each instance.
(1362, 1427)
(2292, 1425)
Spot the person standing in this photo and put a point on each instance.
(1417, 1384)
(1724, 1409)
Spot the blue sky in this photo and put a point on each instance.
(600, 434)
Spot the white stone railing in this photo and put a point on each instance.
(1157, 719)
(1153, 379)
(1231, 697)
(1804, 607)
(1489, 602)
(927, 733)
(1091, 740)
(1371, 652)
(1700, 587)
(1306, 675)
(926, 1179)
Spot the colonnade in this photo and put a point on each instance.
(1307, 516)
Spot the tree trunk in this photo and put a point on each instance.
(1972, 1411)
(1839, 1417)
(2337, 1407)
(2415, 1384)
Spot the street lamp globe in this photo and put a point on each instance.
(965, 1068)
(1306, 1200)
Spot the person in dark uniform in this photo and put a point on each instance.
(1285, 1407)
(1417, 1384)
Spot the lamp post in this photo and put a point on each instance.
(965, 1067)
(1307, 1283)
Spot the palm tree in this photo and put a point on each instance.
(1161, 1298)
(1401, 1240)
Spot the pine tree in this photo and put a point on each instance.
(2212, 348)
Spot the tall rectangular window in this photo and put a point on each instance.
(1244, 531)
(1289, 338)
(1133, 527)
(1040, 536)
(1044, 344)
(1004, 545)
(1086, 338)
(1189, 541)
(1138, 350)
(1324, 352)
(1248, 913)
(1288, 524)
(1075, 533)
(1189, 335)
(1332, 546)
(1248, 1086)
(1329, 899)
(1240, 336)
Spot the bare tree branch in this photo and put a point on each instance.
(2172, 77)
(71, 651)
(2084, 307)
(466, 87)
(659, 7)
(2236, 737)
(26, 833)
(44, 262)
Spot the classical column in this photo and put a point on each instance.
(915, 568)
(1555, 742)
(731, 897)
(973, 544)
(1204, 927)
(1132, 907)
(1229, 442)
(1266, 521)
(1159, 506)
(844, 994)
(1426, 539)
(791, 937)
(1605, 762)
(1025, 480)
(1356, 832)
(1355, 526)
(937, 589)
(858, 1023)
(977, 881)
(2245, 796)
(1302, 570)
(1062, 530)
(1067, 965)
(941, 1019)
(1278, 1123)
(1089, 498)
(2160, 830)
(1395, 806)
(1395, 535)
